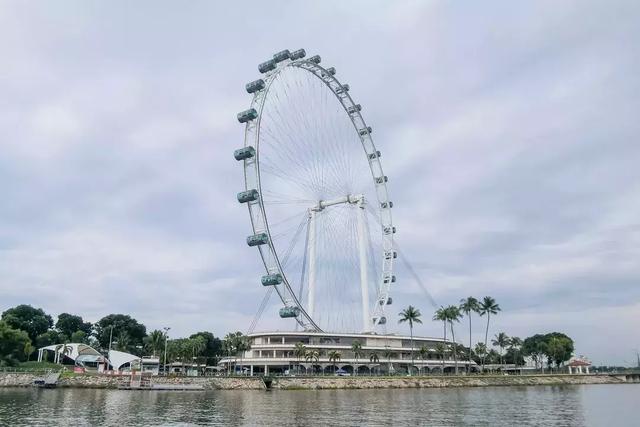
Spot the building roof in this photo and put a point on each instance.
(579, 362)
(75, 351)
(341, 334)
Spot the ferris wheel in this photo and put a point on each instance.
(317, 197)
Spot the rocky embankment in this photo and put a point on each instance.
(320, 383)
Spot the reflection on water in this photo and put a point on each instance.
(497, 406)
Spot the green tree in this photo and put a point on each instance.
(423, 352)
(67, 324)
(488, 306)
(213, 348)
(34, 321)
(14, 343)
(299, 350)
(535, 347)
(513, 353)
(481, 351)
(50, 337)
(501, 341)
(467, 306)
(559, 348)
(452, 314)
(79, 337)
(119, 322)
(374, 358)
(122, 341)
(411, 315)
(441, 348)
(356, 347)
(334, 357)
(387, 353)
(154, 342)
(441, 316)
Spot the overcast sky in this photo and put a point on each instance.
(509, 133)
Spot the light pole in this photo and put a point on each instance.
(110, 341)
(166, 337)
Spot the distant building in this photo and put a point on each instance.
(274, 353)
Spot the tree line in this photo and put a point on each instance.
(24, 329)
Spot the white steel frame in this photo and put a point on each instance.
(260, 222)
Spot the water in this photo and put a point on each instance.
(595, 405)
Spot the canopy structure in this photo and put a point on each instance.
(79, 353)
(119, 360)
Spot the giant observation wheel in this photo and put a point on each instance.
(317, 197)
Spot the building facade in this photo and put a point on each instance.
(275, 353)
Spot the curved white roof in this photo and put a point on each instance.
(74, 350)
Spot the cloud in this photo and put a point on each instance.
(508, 133)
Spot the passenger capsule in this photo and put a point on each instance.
(331, 70)
(382, 321)
(385, 205)
(297, 54)
(271, 280)
(247, 115)
(267, 66)
(388, 301)
(255, 86)
(374, 155)
(248, 196)
(389, 230)
(257, 239)
(390, 254)
(342, 89)
(354, 108)
(244, 153)
(289, 312)
(365, 131)
(390, 279)
(315, 59)
(282, 55)
(381, 179)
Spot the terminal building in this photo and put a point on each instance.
(275, 353)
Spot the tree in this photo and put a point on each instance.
(67, 324)
(34, 321)
(334, 356)
(79, 337)
(154, 342)
(488, 306)
(119, 322)
(467, 306)
(423, 352)
(123, 341)
(481, 351)
(50, 337)
(373, 357)
(515, 344)
(441, 348)
(356, 347)
(452, 314)
(299, 350)
(387, 353)
(559, 348)
(535, 347)
(14, 343)
(410, 315)
(213, 347)
(501, 340)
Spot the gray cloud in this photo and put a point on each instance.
(508, 132)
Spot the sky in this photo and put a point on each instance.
(509, 133)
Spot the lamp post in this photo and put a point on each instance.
(166, 337)
(110, 341)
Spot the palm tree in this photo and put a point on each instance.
(423, 352)
(515, 343)
(155, 341)
(356, 347)
(374, 358)
(387, 353)
(334, 356)
(467, 306)
(452, 314)
(501, 340)
(123, 341)
(411, 315)
(488, 306)
(442, 349)
(480, 350)
(299, 351)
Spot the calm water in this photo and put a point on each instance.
(597, 405)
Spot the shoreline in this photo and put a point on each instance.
(8, 379)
